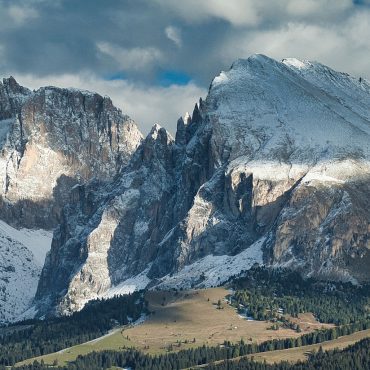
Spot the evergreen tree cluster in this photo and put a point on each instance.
(134, 359)
(355, 357)
(267, 294)
(39, 337)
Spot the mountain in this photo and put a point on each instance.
(51, 141)
(273, 167)
(64, 136)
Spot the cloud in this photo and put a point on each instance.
(342, 47)
(148, 47)
(147, 105)
(2, 56)
(250, 13)
(237, 12)
(174, 34)
(306, 9)
(131, 59)
(15, 14)
(21, 14)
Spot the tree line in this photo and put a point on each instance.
(34, 338)
(268, 294)
(355, 357)
(137, 360)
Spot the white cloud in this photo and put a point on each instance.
(252, 13)
(174, 34)
(2, 57)
(16, 15)
(296, 39)
(21, 14)
(237, 12)
(342, 45)
(131, 59)
(146, 105)
(316, 8)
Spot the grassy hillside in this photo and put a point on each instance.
(301, 353)
(180, 317)
(198, 326)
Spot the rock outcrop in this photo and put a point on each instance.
(273, 167)
(51, 140)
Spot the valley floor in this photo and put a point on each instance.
(294, 355)
(300, 353)
(186, 319)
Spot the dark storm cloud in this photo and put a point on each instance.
(155, 57)
(62, 37)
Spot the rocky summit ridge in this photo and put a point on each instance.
(51, 140)
(63, 136)
(273, 167)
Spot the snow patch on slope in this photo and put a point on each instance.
(19, 276)
(130, 285)
(38, 242)
(221, 78)
(206, 272)
(22, 255)
(296, 63)
(214, 270)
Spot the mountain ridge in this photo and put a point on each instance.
(273, 168)
(73, 135)
(262, 172)
(51, 140)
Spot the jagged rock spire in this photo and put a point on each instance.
(12, 97)
(182, 124)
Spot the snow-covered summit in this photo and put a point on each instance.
(265, 109)
(273, 167)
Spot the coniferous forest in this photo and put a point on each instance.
(266, 294)
(38, 337)
(355, 357)
(262, 293)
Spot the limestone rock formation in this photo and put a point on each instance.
(51, 140)
(273, 167)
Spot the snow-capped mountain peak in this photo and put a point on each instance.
(272, 167)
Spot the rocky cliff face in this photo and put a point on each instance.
(110, 233)
(51, 140)
(273, 167)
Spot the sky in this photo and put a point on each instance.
(155, 58)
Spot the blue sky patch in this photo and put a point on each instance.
(116, 76)
(361, 2)
(168, 78)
